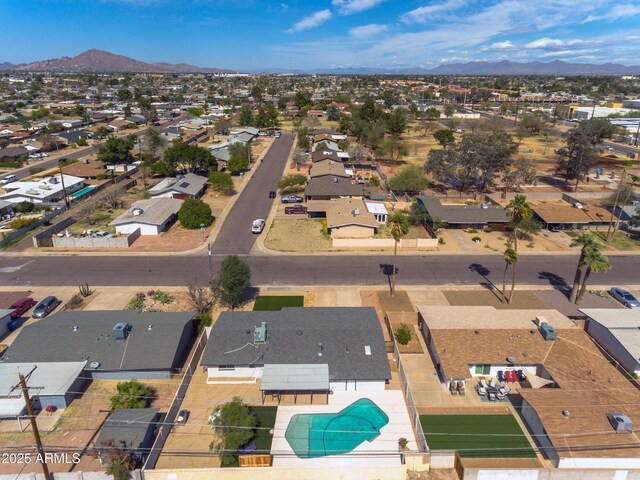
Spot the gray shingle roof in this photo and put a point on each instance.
(128, 427)
(325, 186)
(293, 335)
(155, 211)
(144, 349)
(189, 184)
(462, 214)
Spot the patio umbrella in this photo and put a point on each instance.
(536, 381)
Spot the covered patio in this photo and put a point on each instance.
(307, 379)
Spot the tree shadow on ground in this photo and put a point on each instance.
(557, 282)
(484, 272)
(387, 270)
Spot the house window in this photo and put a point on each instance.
(226, 368)
(483, 369)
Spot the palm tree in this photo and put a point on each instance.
(510, 258)
(519, 210)
(587, 241)
(398, 227)
(596, 262)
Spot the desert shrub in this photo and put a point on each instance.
(403, 334)
(19, 223)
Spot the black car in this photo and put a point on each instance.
(45, 307)
(272, 194)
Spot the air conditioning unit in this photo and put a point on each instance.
(620, 422)
(548, 332)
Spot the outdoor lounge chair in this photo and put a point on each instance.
(482, 391)
(500, 396)
(511, 376)
(493, 383)
(452, 388)
(461, 389)
(521, 376)
(483, 383)
(501, 377)
(505, 390)
(492, 397)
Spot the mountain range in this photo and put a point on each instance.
(101, 61)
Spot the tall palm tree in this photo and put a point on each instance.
(521, 214)
(510, 258)
(587, 242)
(397, 232)
(596, 262)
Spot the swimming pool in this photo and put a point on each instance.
(321, 434)
(82, 192)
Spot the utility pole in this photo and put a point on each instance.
(34, 425)
(635, 140)
(64, 190)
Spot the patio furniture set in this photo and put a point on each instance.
(457, 388)
(494, 391)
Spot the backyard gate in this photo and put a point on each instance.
(254, 460)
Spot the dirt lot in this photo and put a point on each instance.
(521, 299)
(300, 235)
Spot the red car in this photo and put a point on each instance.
(21, 306)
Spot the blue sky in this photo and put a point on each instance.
(250, 34)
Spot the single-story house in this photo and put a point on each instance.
(625, 214)
(242, 138)
(328, 145)
(181, 187)
(58, 383)
(129, 429)
(253, 132)
(617, 330)
(12, 152)
(346, 217)
(6, 208)
(328, 134)
(337, 348)
(137, 119)
(329, 168)
(151, 217)
(464, 216)
(567, 215)
(85, 168)
(49, 189)
(72, 136)
(326, 188)
(72, 123)
(119, 124)
(331, 155)
(117, 345)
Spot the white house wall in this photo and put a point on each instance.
(608, 463)
(610, 343)
(129, 228)
(357, 386)
(493, 372)
(239, 373)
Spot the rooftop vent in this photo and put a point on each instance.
(511, 360)
(121, 331)
(566, 414)
(355, 212)
(149, 327)
(367, 350)
(548, 332)
(75, 328)
(260, 333)
(484, 205)
(53, 180)
(620, 422)
(320, 349)
(136, 212)
(335, 179)
(94, 365)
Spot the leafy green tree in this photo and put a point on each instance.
(117, 150)
(418, 215)
(444, 137)
(221, 182)
(369, 111)
(246, 116)
(523, 171)
(578, 157)
(395, 149)
(147, 109)
(409, 179)
(396, 122)
(102, 131)
(154, 141)
(131, 394)
(180, 157)
(231, 284)
(234, 426)
(333, 114)
(449, 111)
(292, 182)
(521, 214)
(194, 214)
(302, 98)
(240, 153)
(25, 207)
(432, 114)
(403, 334)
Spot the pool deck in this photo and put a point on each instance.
(383, 451)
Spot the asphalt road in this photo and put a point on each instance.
(305, 270)
(235, 235)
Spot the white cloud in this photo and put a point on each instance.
(368, 31)
(314, 20)
(545, 43)
(502, 45)
(349, 7)
(615, 13)
(433, 11)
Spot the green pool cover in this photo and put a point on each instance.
(321, 434)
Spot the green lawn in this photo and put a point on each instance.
(276, 303)
(477, 435)
(267, 419)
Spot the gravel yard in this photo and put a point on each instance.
(301, 235)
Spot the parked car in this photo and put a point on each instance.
(21, 306)
(624, 297)
(278, 135)
(296, 209)
(183, 416)
(38, 155)
(45, 307)
(272, 194)
(258, 225)
(608, 147)
(8, 179)
(292, 199)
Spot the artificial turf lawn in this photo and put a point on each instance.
(266, 420)
(275, 303)
(477, 435)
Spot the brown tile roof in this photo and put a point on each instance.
(340, 213)
(558, 213)
(328, 167)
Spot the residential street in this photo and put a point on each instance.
(304, 270)
(235, 235)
